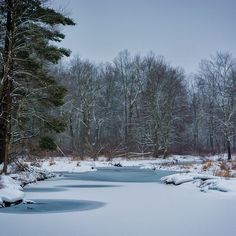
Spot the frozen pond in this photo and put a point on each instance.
(119, 202)
(115, 174)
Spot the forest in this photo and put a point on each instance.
(132, 106)
(144, 105)
(117, 118)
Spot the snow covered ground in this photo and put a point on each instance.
(59, 164)
(179, 163)
(132, 209)
(10, 191)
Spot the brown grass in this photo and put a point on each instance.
(207, 165)
(224, 173)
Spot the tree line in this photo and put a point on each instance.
(144, 105)
(134, 105)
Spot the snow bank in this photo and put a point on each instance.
(203, 181)
(220, 184)
(178, 163)
(151, 163)
(11, 185)
(218, 157)
(181, 178)
(67, 165)
(10, 191)
(31, 175)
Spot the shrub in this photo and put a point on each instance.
(47, 143)
(224, 173)
(224, 166)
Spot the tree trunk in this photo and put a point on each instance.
(165, 153)
(72, 134)
(5, 123)
(229, 149)
(156, 151)
(156, 146)
(126, 119)
(129, 130)
(211, 131)
(6, 90)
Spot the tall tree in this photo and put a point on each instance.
(28, 28)
(164, 100)
(217, 82)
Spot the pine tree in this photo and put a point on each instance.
(28, 30)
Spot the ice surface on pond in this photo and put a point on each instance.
(77, 180)
(120, 174)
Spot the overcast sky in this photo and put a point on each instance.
(183, 31)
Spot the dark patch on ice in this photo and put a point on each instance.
(89, 186)
(9, 204)
(44, 206)
(43, 190)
